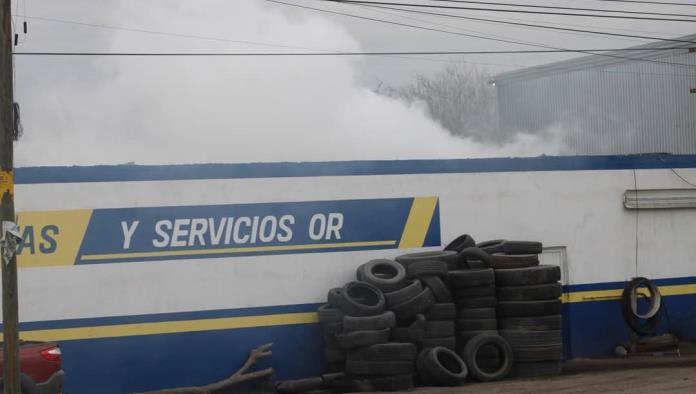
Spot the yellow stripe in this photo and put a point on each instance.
(226, 323)
(418, 222)
(615, 294)
(173, 253)
(126, 330)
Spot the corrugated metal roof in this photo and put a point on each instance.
(605, 59)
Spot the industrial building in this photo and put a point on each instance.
(621, 102)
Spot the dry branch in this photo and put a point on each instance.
(240, 376)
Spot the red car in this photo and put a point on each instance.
(41, 369)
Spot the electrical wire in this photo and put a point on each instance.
(564, 8)
(524, 24)
(425, 12)
(675, 172)
(531, 43)
(233, 54)
(245, 42)
(651, 2)
(512, 11)
(590, 52)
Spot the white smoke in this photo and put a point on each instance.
(233, 109)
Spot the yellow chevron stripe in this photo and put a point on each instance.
(418, 221)
(169, 327)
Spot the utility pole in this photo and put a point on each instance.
(7, 214)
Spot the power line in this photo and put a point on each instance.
(536, 44)
(488, 38)
(240, 54)
(651, 2)
(219, 39)
(529, 24)
(515, 23)
(401, 24)
(513, 11)
(565, 8)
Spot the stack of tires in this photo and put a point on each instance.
(475, 299)
(357, 330)
(529, 318)
(424, 309)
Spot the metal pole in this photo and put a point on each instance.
(7, 213)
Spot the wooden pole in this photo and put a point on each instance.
(7, 212)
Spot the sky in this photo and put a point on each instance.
(152, 110)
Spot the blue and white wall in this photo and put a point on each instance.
(180, 297)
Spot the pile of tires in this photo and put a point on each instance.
(475, 300)
(424, 309)
(529, 318)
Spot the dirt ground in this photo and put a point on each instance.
(641, 375)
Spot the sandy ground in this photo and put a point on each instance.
(635, 375)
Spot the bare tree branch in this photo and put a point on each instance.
(242, 375)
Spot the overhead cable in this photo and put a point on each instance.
(565, 8)
(507, 10)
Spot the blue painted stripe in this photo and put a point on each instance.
(114, 173)
(166, 317)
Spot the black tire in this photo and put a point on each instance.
(476, 264)
(538, 353)
(391, 351)
(478, 302)
(524, 338)
(408, 334)
(299, 385)
(423, 268)
(404, 294)
(438, 287)
(477, 324)
(549, 291)
(444, 367)
(446, 342)
(536, 370)
(463, 336)
(537, 275)
(476, 313)
(375, 322)
(473, 292)
(442, 311)
(533, 323)
(439, 329)
(471, 277)
(451, 258)
(379, 368)
(460, 243)
(528, 308)
(637, 324)
(471, 355)
(388, 383)
(386, 275)
(414, 306)
(501, 261)
(492, 246)
(330, 340)
(361, 299)
(332, 328)
(355, 339)
(333, 356)
(475, 253)
(336, 367)
(328, 314)
(522, 247)
(334, 296)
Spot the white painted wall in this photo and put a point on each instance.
(581, 210)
